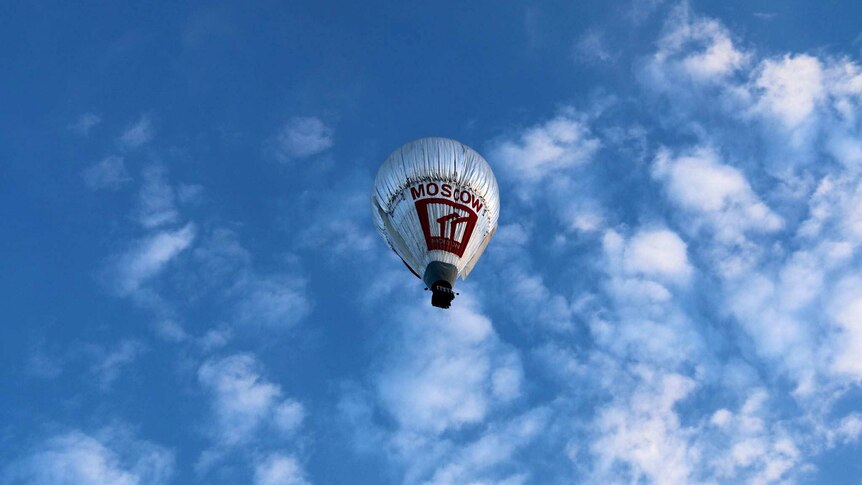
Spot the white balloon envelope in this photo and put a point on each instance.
(436, 203)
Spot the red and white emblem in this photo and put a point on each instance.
(447, 225)
(448, 215)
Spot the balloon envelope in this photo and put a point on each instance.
(436, 203)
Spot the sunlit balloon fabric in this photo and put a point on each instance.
(436, 203)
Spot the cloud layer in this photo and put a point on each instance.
(672, 297)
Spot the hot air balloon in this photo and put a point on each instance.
(436, 203)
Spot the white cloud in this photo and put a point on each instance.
(799, 306)
(694, 48)
(797, 102)
(845, 309)
(356, 409)
(479, 462)
(717, 195)
(850, 428)
(644, 432)
(785, 122)
(721, 417)
(648, 433)
(450, 370)
(221, 256)
(138, 134)
(189, 193)
(244, 401)
(765, 15)
(340, 234)
(111, 457)
(110, 173)
(333, 221)
(105, 362)
(506, 380)
(593, 46)
(800, 313)
(171, 331)
(215, 338)
(777, 117)
(289, 415)
(511, 238)
(790, 303)
(156, 203)
(110, 362)
(489, 453)
(302, 137)
(555, 146)
(719, 58)
(279, 469)
(646, 354)
(642, 319)
(277, 302)
(537, 304)
(792, 87)
(835, 210)
(641, 10)
(149, 257)
(777, 270)
(657, 253)
(749, 448)
(778, 335)
(85, 123)
(44, 365)
(699, 181)
(583, 217)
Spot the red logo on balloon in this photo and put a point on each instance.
(447, 225)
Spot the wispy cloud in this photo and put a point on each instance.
(645, 274)
(279, 469)
(332, 221)
(776, 245)
(488, 459)
(593, 46)
(765, 15)
(444, 375)
(157, 200)
(85, 123)
(148, 257)
(641, 10)
(716, 196)
(110, 173)
(775, 293)
(551, 147)
(302, 137)
(279, 301)
(244, 405)
(441, 376)
(790, 88)
(110, 457)
(110, 362)
(644, 432)
(216, 264)
(657, 253)
(694, 48)
(538, 303)
(104, 362)
(137, 134)
(674, 296)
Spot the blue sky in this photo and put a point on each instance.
(193, 291)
